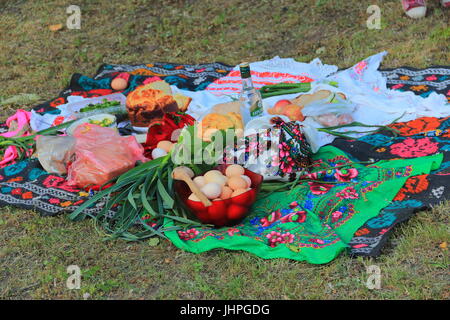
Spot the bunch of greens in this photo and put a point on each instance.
(103, 105)
(345, 135)
(145, 194)
(284, 88)
(136, 206)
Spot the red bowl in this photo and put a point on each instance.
(221, 213)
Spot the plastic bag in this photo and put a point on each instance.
(331, 111)
(101, 154)
(54, 152)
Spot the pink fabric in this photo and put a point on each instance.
(123, 75)
(152, 79)
(9, 157)
(22, 117)
(232, 82)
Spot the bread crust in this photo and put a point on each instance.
(145, 104)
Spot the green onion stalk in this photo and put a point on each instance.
(140, 201)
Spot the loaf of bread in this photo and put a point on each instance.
(150, 101)
(214, 122)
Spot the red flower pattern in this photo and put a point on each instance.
(412, 148)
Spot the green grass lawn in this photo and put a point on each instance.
(35, 251)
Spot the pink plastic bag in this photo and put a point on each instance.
(101, 154)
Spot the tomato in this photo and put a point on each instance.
(236, 211)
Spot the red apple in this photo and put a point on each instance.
(282, 103)
(279, 106)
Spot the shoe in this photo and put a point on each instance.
(415, 9)
(445, 3)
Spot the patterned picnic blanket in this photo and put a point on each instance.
(26, 185)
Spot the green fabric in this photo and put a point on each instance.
(315, 220)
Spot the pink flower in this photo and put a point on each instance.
(318, 188)
(413, 148)
(312, 176)
(431, 78)
(335, 216)
(274, 238)
(54, 201)
(274, 216)
(345, 175)
(293, 204)
(232, 231)
(398, 86)
(298, 216)
(287, 237)
(188, 234)
(348, 193)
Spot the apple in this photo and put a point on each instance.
(293, 112)
(279, 106)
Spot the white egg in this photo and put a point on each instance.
(220, 180)
(246, 178)
(158, 153)
(211, 174)
(212, 190)
(200, 181)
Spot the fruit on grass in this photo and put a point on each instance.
(234, 170)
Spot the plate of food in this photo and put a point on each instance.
(103, 120)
